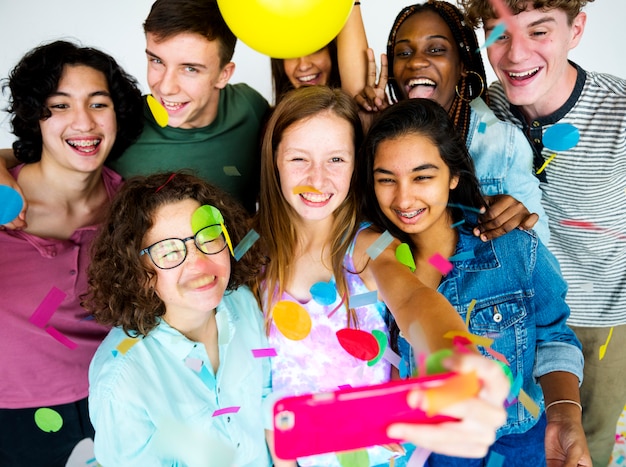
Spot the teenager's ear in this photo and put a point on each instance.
(577, 29)
(225, 74)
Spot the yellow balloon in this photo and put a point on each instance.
(285, 28)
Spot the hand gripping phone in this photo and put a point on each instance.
(355, 418)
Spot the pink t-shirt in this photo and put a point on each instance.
(36, 368)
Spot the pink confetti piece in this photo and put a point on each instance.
(443, 265)
(586, 225)
(343, 299)
(344, 386)
(261, 353)
(418, 458)
(225, 410)
(62, 338)
(47, 307)
(194, 363)
(392, 357)
(497, 355)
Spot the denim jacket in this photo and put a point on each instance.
(504, 163)
(520, 304)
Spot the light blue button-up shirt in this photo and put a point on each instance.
(155, 403)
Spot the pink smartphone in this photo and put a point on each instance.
(348, 419)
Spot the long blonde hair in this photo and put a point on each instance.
(276, 220)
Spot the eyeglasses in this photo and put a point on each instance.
(172, 252)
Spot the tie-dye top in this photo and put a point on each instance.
(319, 363)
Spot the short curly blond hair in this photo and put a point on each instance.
(477, 11)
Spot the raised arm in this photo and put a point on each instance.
(351, 53)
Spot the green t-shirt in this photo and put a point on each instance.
(225, 153)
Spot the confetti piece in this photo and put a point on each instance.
(343, 299)
(528, 403)
(194, 363)
(392, 357)
(169, 179)
(561, 137)
(231, 171)
(223, 337)
(126, 344)
(443, 265)
(358, 458)
(495, 459)
(381, 338)
(605, 345)
(482, 127)
(404, 255)
(225, 410)
(364, 299)
(465, 208)
(262, 353)
(473, 338)
(227, 238)
(516, 387)
(434, 361)
(360, 344)
(469, 312)
(48, 420)
(454, 389)
(377, 247)
(47, 307)
(421, 363)
(545, 164)
(82, 455)
(305, 189)
(419, 457)
(497, 355)
(324, 293)
(462, 256)
(245, 244)
(11, 203)
(495, 33)
(456, 224)
(158, 111)
(593, 227)
(62, 338)
(487, 116)
(292, 320)
(205, 216)
(587, 286)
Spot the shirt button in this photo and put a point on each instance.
(228, 419)
(537, 140)
(497, 317)
(72, 272)
(536, 124)
(238, 444)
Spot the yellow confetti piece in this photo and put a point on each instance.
(305, 189)
(605, 345)
(158, 111)
(227, 238)
(292, 320)
(545, 164)
(126, 344)
(473, 338)
(469, 312)
(528, 403)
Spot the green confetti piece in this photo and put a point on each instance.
(404, 255)
(381, 338)
(433, 361)
(48, 420)
(204, 216)
(358, 458)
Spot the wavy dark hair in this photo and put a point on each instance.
(467, 45)
(280, 80)
(477, 11)
(36, 77)
(121, 284)
(426, 118)
(168, 18)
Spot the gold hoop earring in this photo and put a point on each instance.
(469, 87)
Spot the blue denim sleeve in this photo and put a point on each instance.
(558, 349)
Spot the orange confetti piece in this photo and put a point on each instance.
(528, 403)
(473, 338)
(469, 311)
(305, 189)
(126, 344)
(158, 111)
(455, 389)
(292, 320)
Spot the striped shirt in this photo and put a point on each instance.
(584, 194)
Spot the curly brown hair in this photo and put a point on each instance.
(477, 11)
(121, 285)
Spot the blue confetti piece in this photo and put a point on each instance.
(561, 137)
(495, 34)
(456, 224)
(379, 245)
(245, 244)
(495, 459)
(363, 299)
(11, 204)
(482, 127)
(324, 293)
(465, 208)
(515, 388)
(462, 256)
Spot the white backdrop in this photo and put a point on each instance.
(115, 26)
